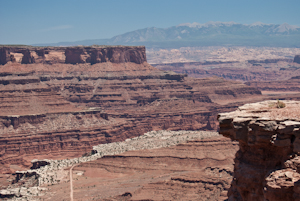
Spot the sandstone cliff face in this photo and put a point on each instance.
(108, 54)
(62, 110)
(72, 55)
(37, 118)
(4, 56)
(297, 59)
(30, 55)
(267, 163)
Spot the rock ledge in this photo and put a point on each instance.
(267, 165)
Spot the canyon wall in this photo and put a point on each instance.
(267, 163)
(72, 55)
(58, 117)
(58, 110)
(297, 59)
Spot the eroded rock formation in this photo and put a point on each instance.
(267, 163)
(289, 85)
(58, 110)
(148, 167)
(252, 70)
(5, 56)
(72, 55)
(297, 59)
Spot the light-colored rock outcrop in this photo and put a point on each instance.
(267, 164)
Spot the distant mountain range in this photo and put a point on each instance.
(208, 34)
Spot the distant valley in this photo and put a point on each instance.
(239, 54)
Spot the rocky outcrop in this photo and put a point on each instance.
(94, 55)
(62, 110)
(146, 164)
(5, 56)
(267, 163)
(27, 58)
(297, 59)
(72, 55)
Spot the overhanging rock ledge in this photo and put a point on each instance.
(267, 164)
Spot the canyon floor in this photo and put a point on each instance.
(196, 170)
(199, 169)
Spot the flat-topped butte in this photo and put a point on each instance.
(72, 55)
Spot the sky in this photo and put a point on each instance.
(50, 21)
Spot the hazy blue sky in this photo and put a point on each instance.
(47, 21)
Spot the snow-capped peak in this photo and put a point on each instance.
(286, 27)
(257, 24)
(207, 24)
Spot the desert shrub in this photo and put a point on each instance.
(280, 104)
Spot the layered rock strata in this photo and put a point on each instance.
(290, 85)
(255, 70)
(61, 110)
(189, 170)
(72, 55)
(267, 163)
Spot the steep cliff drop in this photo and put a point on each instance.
(58, 102)
(267, 163)
(297, 59)
(72, 55)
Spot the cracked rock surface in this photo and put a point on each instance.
(267, 164)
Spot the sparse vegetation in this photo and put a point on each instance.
(278, 104)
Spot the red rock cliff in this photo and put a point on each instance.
(94, 55)
(45, 109)
(267, 165)
(73, 55)
(5, 56)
